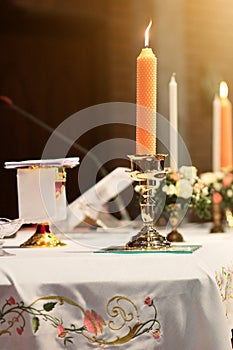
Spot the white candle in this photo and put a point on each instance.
(216, 134)
(173, 123)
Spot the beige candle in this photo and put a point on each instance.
(173, 118)
(216, 134)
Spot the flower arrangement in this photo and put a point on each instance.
(186, 188)
(179, 186)
(176, 188)
(213, 188)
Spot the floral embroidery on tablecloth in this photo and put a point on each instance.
(224, 279)
(122, 316)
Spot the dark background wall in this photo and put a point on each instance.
(54, 62)
(58, 57)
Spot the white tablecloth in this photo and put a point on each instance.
(106, 293)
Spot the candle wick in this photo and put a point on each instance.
(147, 34)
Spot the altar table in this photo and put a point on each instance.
(76, 297)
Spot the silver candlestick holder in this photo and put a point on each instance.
(147, 170)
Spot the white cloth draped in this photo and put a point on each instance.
(183, 288)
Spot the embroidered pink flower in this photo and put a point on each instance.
(61, 332)
(19, 330)
(227, 180)
(156, 334)
(11, 301)
(217, 198)
(93, 322)
(148, 301)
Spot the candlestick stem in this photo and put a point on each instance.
(148, 169)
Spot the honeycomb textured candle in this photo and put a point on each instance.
(146, 97)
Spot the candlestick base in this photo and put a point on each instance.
(217, 220)
(43, 238)
(175, 212)
(148, 170)
(175, 236)
(149, 239)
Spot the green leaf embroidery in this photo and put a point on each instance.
(11, 307)
(35, 324)
(68, 340)
(49, 306)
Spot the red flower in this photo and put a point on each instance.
(19, 330)
(156, 334)
(61, 332)
(217, 198)
(93, 322)
(148, 301)
(11, 301)
(227, 180)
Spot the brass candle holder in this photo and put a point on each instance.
(41, 186)
(175, 211)
(147, 170)
(217, 219)
(43, 237)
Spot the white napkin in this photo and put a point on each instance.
(37, 195)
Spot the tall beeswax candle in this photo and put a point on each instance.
(146, 99)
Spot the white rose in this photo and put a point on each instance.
(170, 190)
(217, 186)
(208, 178)
(229, 193)
(205, 191)
(184, 189)
(219, 175)
(188, 172)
